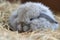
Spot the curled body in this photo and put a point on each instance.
(30, 16)
(42, 24)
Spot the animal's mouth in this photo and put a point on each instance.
(22, 27)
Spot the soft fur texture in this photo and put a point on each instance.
(42, 24)
(26, 17)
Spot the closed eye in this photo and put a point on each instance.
(31, 19)
(34, 18)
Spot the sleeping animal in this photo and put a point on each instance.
(32, 16)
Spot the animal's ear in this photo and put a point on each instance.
(48, 18)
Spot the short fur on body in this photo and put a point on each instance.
(30, 16)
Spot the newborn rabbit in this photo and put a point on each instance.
(32, 16)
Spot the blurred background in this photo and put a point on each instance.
(53, 4)
(8, 6)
